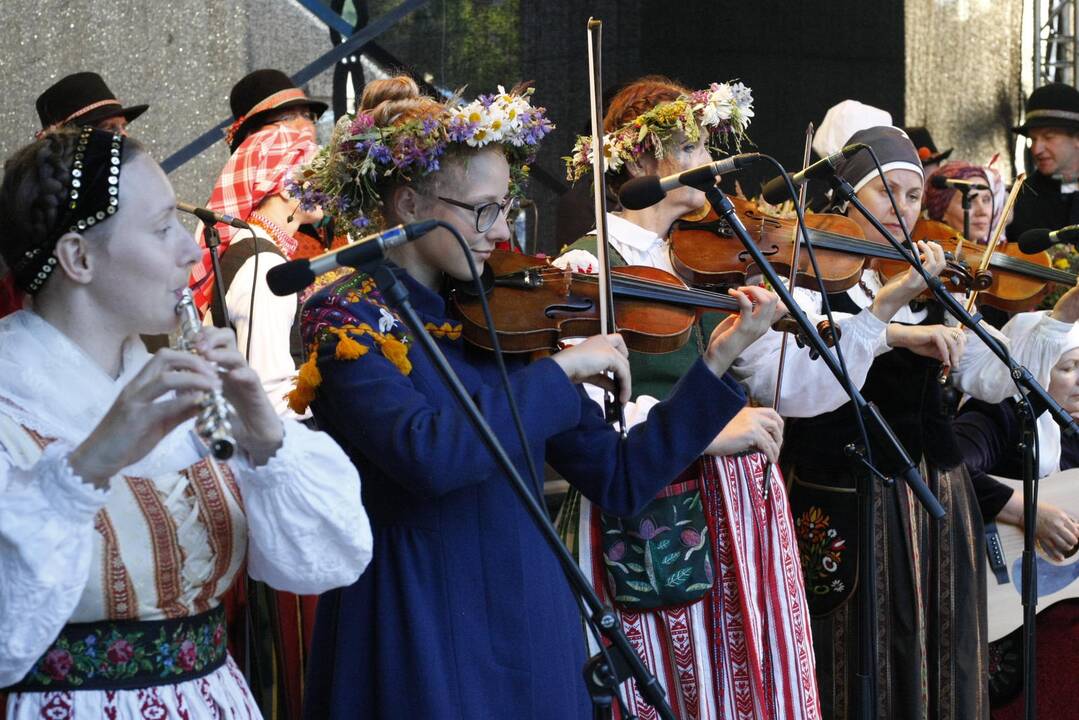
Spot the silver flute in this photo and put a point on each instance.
(212, 424)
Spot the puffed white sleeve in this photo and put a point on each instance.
(307, 529)
(1035, 339)
(809, 388)
(46, 541)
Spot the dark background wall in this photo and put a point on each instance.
(799, 59)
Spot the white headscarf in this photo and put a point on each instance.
(1039, 352)
(843, 120)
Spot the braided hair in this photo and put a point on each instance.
(633, 100)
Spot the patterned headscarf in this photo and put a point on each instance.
(937, 201)
(259, 168)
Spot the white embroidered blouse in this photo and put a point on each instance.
(172, 531)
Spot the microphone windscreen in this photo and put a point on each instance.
(290, 277)
(775, 190)
(1035, 241)
(641, 192)
(939, 182)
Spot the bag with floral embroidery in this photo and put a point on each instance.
(661, 557)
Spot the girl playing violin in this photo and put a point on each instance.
(743, 627)
(464, 611)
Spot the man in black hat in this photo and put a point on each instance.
(84, 99)
(1050, 197)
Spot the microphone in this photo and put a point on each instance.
(943, 183)
(293, 276)
(209, 217)
(646, 191)
(775, 190)
(1039, 239)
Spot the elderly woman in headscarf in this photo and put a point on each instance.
(929, 661)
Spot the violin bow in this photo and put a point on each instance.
(991, 246)
(795, 260)
(614, 409)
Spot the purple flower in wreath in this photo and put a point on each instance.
(381, 154)
(120, 651)
(186, 656)
(58, 664)
(617, 551)
(647, 530)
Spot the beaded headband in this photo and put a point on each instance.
(93, 196)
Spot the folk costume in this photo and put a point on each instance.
(269, 154)
(464, 611)
(110, 601)
(732, 640)
(264, 163)
(930, 658)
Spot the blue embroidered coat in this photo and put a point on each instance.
(463, 611)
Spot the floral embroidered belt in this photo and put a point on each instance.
(130, 654)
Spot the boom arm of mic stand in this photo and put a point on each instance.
(723, 206)
(604, 618)
(1020, 375)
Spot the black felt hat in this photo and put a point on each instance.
(81, 99)
(1052, 105)
(927, 149)
(259, 94)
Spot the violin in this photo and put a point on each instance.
(1014, 280)
(707, 253)
(536, 305)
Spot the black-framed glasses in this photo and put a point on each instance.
(486, 213)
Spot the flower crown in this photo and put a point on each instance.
(344, 176)
(723, 110)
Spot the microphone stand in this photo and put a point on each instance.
(1035, 396)
(599, 671)
(212, 239)
(867, 658)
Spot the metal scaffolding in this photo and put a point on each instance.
(1056, 30)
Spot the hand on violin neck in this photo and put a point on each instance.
(908, 284)
(591, 360)
(757, 310)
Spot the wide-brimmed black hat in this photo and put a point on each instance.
(81, 99)
(1052, 105)
(927, 149)
(259, 94)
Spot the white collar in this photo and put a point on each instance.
(632, 234)
(624, 233)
